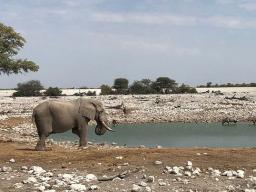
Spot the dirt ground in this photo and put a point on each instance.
(88, 160)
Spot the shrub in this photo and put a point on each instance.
(53, 91)
(91, 93)
(106, 90)
(185, 89)
(28, 89)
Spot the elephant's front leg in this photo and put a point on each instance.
(83, 136)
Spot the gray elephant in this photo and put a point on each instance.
(59, 116)
(229, 120)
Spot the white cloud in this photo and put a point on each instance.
(248, 6)
(144, 18)
(228, 22)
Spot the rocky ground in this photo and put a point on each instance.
(113, 168)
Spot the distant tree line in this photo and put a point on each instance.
(210, 84)
(162, 85)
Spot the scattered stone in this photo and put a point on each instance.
(135, 188)
(143, 184)
(6, 169)
(77, 187)
(119, 157)
(161, 183)
(36, 170)
(90, 177)
(18, 185)
(158, 163)
(240, 174)
(94, 187)
(12, 160)
(30, 180)
(151, 179)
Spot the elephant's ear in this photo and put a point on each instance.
(90, 108)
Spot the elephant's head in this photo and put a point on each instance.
(93, 110)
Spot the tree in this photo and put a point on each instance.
(164, 84)
(185, 89)
(30, 88)
(106, 90)
(53, 91)
(143, 86)
(121, 85)
(10, 44)
(208, 84)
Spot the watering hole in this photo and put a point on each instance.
(174, 135)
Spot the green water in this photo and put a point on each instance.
(174, 135)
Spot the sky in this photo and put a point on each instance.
(91, 42)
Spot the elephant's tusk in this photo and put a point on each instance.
(107, 127)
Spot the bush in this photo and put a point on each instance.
(106, 90)
(28, 89)
(121, 84)
(53, 91)
(185, 89)
(91, 93)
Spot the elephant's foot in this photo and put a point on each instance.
(40, 148)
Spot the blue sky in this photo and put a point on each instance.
(92, 42)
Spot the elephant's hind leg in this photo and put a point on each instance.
(44, 129)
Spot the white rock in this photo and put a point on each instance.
(249, 190)
(151, 179)
(48, 174)
(30, 180)
(189, 165)
(175, 170)
(12, 160)
(228, 173)
(240, 174)
(77, 187)
(135, 188)
(36, 170)
(215, 173)
(119, 157)
(50, 190)
(197, 171)
(158, 163)
(143, 184)
(147, 189)
(90, 177)
(24, 168)
(161, 183)
(6, 169)
(41, 188)
(187, 173)
(94, 187)
(18, 185)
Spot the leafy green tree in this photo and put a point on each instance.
(142, 87)
(27, 89)
(164, 85)
(106, 90)
(53, 91)
(10, 44)
(121, 83)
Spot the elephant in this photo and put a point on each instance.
(229, 120)
(55, 116)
